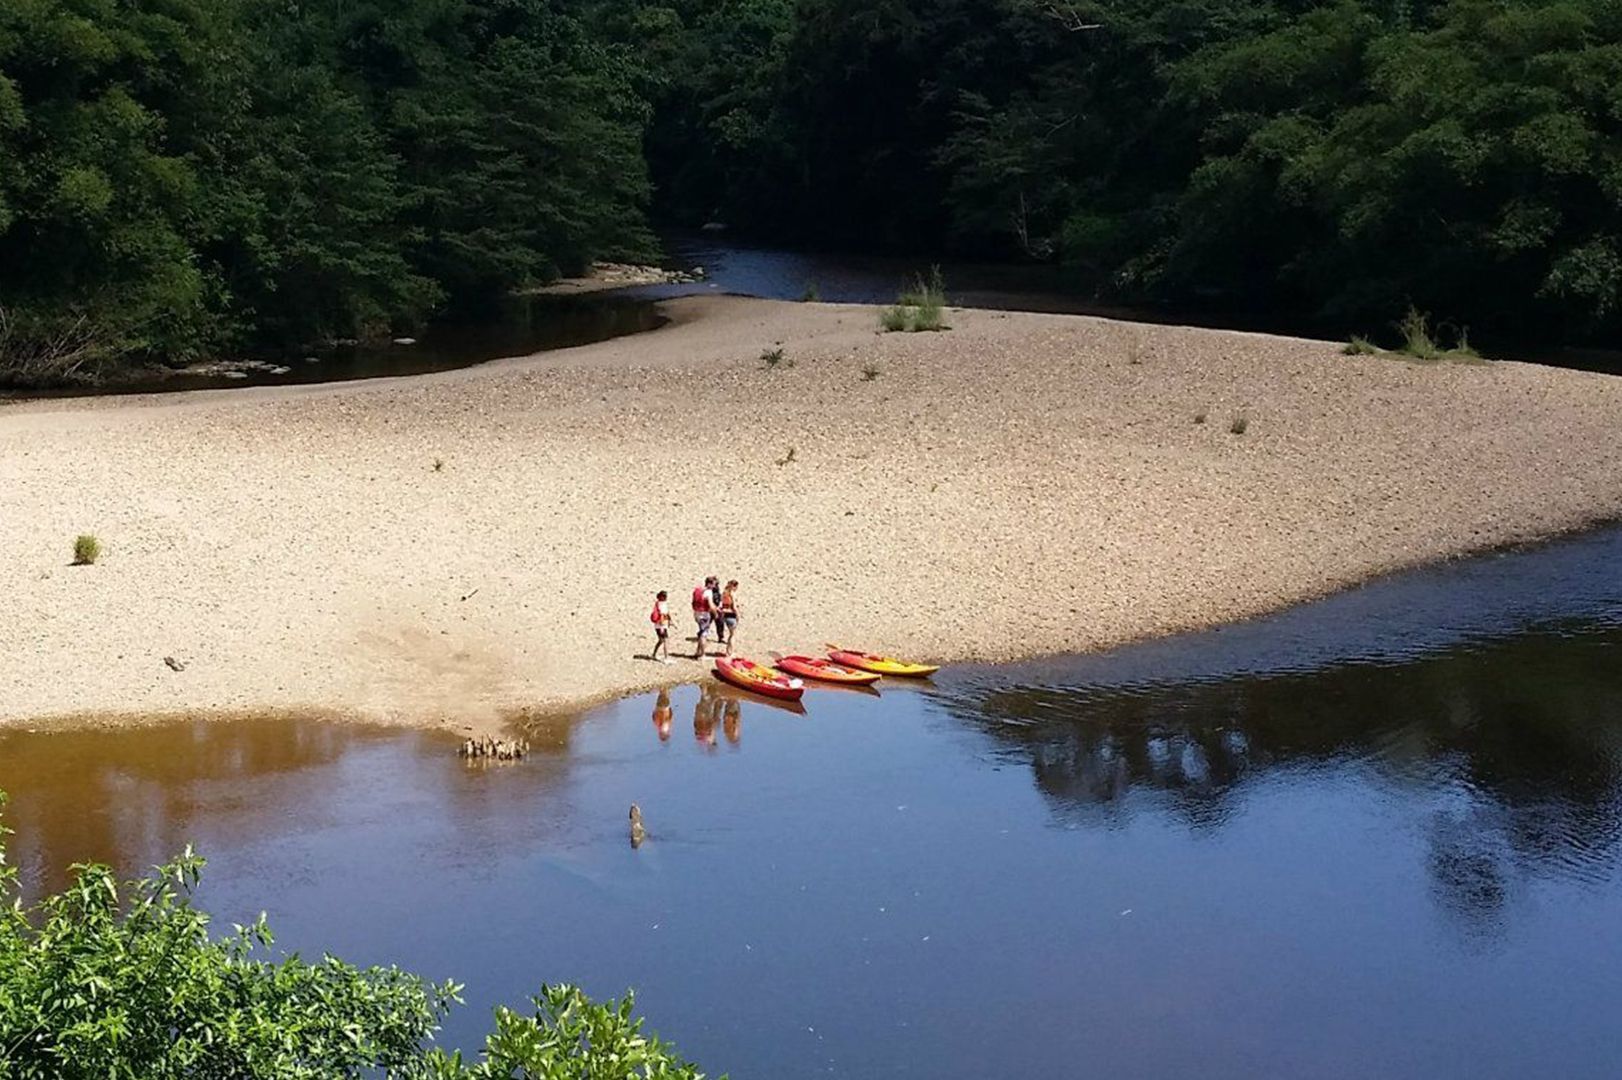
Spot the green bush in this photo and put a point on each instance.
(86, 550)
(772, 358)
(112, 979)
(1360, 346)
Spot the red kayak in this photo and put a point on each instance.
(762, 680)
(814, 667)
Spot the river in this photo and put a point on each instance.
(540, 323)
(1379, 835)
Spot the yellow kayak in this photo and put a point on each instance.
(883, 665)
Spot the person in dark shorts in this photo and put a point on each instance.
(728, 607)
(704, 612)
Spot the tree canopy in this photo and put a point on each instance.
(1344, 159)
(186, 176)
(180, 176)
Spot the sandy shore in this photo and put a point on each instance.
(1021, 485)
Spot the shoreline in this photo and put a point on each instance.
(524, 718)
(1023, 486)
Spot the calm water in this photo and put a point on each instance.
(524, 325)
(737, 267)
(531, 324)
(1377, 836)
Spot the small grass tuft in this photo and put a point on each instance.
(788, 458)
(1239, 426)
(439, 464)
(86, 550)
(921, 306)
(1418, 341)
(774, 357)
(871, 371)
(1415, 331)
(812, 294)
(1420, 344)
(892, 319)
(1464, 350)
(1199, 417)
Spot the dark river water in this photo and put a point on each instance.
(543, 323)
(1376, 836)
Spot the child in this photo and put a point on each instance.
(661, 627)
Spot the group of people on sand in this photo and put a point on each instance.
(715, 609)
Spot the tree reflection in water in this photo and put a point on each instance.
(1517, 744)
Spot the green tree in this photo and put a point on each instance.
(126, 980)
(99, 193)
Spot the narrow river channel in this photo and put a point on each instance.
(1376, 836)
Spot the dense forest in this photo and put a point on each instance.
(180, 177)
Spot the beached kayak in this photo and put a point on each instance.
(762, 680)
(882, 665)
(813, 667)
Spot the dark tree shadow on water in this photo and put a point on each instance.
(1521, 738)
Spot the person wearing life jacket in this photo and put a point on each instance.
(729, 614)
(704, 612)
(660, 616)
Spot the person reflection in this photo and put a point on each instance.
(732, 723)
(662, 715)
(706, 714)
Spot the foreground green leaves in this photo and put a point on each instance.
(124, 981)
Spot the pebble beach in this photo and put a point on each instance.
(471, 548)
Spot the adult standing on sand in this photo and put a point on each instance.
(704, 613)
(729, 614)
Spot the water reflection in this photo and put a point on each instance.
(128, 797)
(1519, 743)
(134, 797)
(1351, 840)
(521, 325)
(662, 714)
(706, 715)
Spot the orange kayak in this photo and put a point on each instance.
(812, 667)
(762, 680)
(882, 665)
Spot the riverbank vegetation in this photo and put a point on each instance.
(190, 176)
(1334, 161)
(193, 176)
(116, 978)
